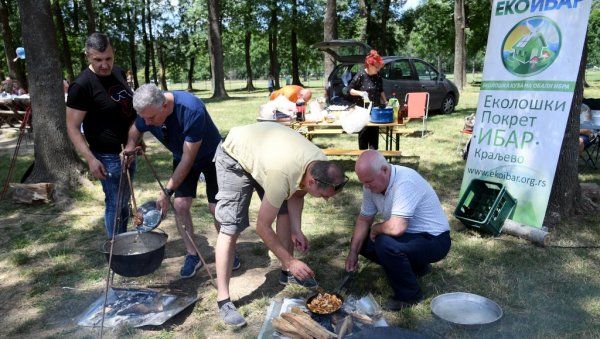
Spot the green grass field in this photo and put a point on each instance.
(50, 269)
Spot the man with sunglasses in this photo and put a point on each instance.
(413, 234)
(282, 166)
(179, 120)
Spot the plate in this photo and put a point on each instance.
(466, 309)
(151, 216)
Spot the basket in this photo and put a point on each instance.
(485, 205)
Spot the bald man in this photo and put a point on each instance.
(413, 234)
(292, 93)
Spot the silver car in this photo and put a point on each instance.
(400, 75)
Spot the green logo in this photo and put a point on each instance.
(531, 46)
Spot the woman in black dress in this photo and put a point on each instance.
(365, 87)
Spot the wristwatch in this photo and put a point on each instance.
(169, 192)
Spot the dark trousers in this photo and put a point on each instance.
(404, 257)
(368, 138)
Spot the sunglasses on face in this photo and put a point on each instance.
(336, 188)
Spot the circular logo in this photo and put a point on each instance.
(531, 46)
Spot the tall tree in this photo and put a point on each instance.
(91, 17)
(147, 46)
(152, 42)
(66, 51)
(460, 57)
(294, 44)
(131, 23)
(161, 62)
(248, 19)
(15, 69)
(55, 158)
(216, 50)
(363, 20)
(383, 49)
(330, 32)
(273, 32)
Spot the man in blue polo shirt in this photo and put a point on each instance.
(179, 120)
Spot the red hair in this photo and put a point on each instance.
(373, 59)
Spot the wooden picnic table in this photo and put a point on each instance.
(13, 109)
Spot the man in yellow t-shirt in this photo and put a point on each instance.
(292, 93)
(282, 166)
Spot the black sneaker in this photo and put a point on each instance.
(286, 279)
(190, 266)
(236, 263)
(423, 272)
(396, 305)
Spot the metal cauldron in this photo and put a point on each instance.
(136, 254)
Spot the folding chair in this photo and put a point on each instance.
(591, 151)
(417, 108)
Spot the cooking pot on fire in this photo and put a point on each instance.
(135, 254)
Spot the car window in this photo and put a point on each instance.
(397, 70)
(425, 71)
(338, 73)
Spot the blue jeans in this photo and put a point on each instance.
(404, 257)
(110, 186)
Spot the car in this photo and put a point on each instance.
(400, 75)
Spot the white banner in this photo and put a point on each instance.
(532, 60)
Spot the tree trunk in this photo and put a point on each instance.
(15, 69)
(91, 18)
(273, 27)
(66, 51)
(363, 20)
(216, 50)
(190, 76)
(147, 47)
(161, 64)
(132, 50)
(384, 20)
(459, 44)
(566, 192)
(152, 42)
(329, 33)
(294, 44)
(249, 75)
(55, 158)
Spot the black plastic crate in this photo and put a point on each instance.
(485, 205)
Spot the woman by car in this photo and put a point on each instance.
(365, 87)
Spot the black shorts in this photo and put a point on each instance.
(189, 185)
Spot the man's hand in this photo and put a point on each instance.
(300, 270)
(300, 241)
(374, 231)
(351, 262)
(97, 169)
(162, 203)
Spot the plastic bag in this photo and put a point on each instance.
(354, 120)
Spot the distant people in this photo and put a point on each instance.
(270, 83)
(180, 121)
(585, 135)
(12, 86)
(100, 99)
(365, 87)
(130, 81)
(292, 93)
(414, 231)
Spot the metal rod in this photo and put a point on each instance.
(14, 158)
(177, 219)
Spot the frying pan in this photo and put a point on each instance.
(335, 293)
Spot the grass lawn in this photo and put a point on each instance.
(51, 269)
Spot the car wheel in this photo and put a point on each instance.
(448, 104)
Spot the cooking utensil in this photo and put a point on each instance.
(151, 216)
(343, 282)
(336, 292)
(310, 299)
(466, 309)
(135, 254)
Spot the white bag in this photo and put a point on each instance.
(355, 119)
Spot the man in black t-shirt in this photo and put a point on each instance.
(101, 100)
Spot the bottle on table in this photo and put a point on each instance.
(395, 105)
(300, 109)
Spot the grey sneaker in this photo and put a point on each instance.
(231, 316)
(285, 279)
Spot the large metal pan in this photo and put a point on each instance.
(136, 254)
(466, 309)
